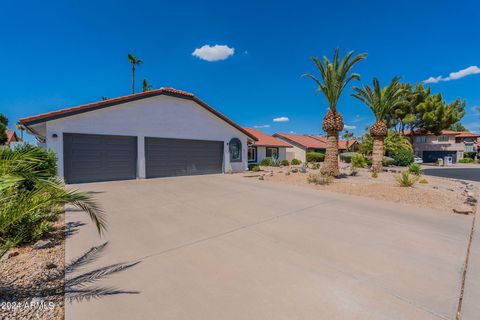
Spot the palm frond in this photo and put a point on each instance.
(95, 275)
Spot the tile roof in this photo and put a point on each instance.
(266, 140)
(467, 135)
(304, 141)
(342, 144)
(11, 136)
(457, 134)
(124, 99)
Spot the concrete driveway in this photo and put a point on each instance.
(458, 171)
(228, 247)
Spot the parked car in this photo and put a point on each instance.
(417, 160)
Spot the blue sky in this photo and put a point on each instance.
(58, 54)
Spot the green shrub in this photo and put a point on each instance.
(402, 157)
(415, 168)
(358, 161)
(314, 165)
(405, 179)
(266, 161)
(319, 178)
(315, 157)
(470, 154)
(285, 163)
(251, 165)
(275, 162)
(295, 162)
(388, 161)
(254, 167)
(423, 181)
(369, 161)
(347, 156)
(466, 160)
(374, 175)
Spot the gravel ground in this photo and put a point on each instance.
(441, 194)
(31, 282)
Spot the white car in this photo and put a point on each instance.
(417, 160)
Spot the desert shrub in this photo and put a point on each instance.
(470, 154)
(295, 162)
(275, 162)
(303, 168)
(369, 161)
(388, 161)
(256, 168)
(319, 179)
(466, 160)
(294, 170)
(315, 157)
(358, 161)
(285, 163)
(405, 179)
(402, 157)
(423, 181)
(374, 175)
(415, 168)
(347, 156)
(251, 165)
(266, 161)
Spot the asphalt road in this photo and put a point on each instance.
(472, 174)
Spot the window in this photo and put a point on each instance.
(421, 139)
(443, 138)
(252, 154)
(235, 147)
(272, 152)
(469, 147)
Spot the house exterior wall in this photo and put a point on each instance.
(160, 116)
(432, 143)
(295, 152)
(262, 153)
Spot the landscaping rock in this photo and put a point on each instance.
(12, 254)
(50, 265)
(287, 173)
(261, 178)
(469, 186)
(42, 244)
(463, 210)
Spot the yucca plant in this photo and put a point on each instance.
(31, 197)
(405, 179)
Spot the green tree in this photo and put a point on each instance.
(381, 102)
(334, 77)
(459, 127)
(146, 86)
(3, 128)
(347, 136)
(393, 142)
(134, 62)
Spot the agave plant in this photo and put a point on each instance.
(334, 77)
(29, 195)
(381, 102)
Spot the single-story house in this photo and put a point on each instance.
(265, 146)
(11, 137)
(301, 144)
(448, 143)
(159, 133)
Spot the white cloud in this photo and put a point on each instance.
(213, 53)
(347, 127)
(281, 119)
(262, 126)
(455, 75)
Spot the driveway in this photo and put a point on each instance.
(227, 247)
(463, 172)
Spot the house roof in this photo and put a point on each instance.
(304, 141)
(342, 144)
(266, 140)
(129, 98)
(457, 134)
(11, 136)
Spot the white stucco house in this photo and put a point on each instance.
(265, 146)
(159, 133)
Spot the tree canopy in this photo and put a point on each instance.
(3, 128)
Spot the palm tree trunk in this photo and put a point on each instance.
(377, 156)
(133, 79)
(330, 165)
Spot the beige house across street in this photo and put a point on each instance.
(449, 143)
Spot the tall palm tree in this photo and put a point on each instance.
(347, 135)
(334, 77)
(146, 86)
(381, 101)
(134, 62)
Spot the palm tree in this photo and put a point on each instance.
(347, 135)
(134, 62)
(381, 101)
(335, 75)
(146, 86)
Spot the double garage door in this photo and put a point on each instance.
(433, 156)
(91, 158)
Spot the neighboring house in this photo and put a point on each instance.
(301, 144)
(158, 133)
(448, 143)
(11, 137)
(265, 146)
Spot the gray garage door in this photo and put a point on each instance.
(90, 158)
(432, 156)
(178, 157)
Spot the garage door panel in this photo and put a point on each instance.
(177, 157)
(90, 158)
(432, 156)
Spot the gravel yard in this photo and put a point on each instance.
(439, 193)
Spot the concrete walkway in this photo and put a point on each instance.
(228, 247)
